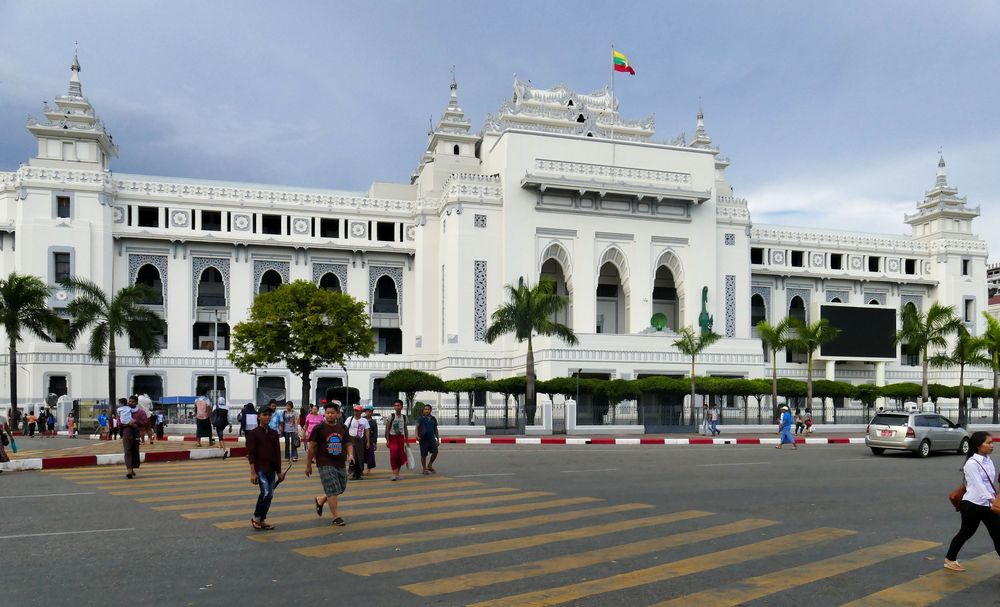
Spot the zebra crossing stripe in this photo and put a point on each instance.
(933, 587)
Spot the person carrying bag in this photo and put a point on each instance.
(977, 499)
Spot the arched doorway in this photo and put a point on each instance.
(665, 297)
(270, 281)
(796, 311)
(149, 277)
(612, 308)
(330, 282)
(552, 271)
(386, 299)
(211, 289)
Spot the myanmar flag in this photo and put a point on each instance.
(621, 63)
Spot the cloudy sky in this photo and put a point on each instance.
(832, 113)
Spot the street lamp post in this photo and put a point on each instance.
(215, 360)
(347, 388)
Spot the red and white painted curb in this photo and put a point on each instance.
(78, 461)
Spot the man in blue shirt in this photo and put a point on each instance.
(102, 421)
(785, 428)
(427, 435)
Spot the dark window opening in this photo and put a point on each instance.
(61, 264)
(798, 259)
(385, 231)
(270, 281)
(330, 282)
(204, 385)
(211, 221)
(580, 118)
(380, 396)
(873, 263)
(385, 297)
(211, 289)
(966, 267)
(62, 207)
(150, 385)
(910, 266)
(270, 224)
(836, 300)
(607, 290)
(203, 336)
(149, 277)
(324, 384)
(60, 331)
(590, 134)
(149, 217)
(758, 311)
(569, 103)
(329, 228)
(389, 341)
(159, 337)
(455, 150)
(836, 261)
(659, 293)
(796, 310)
(756, 255)
(908, 358)
(873, 302)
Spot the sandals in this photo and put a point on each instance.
(432, 470)
(260, 525)
(319, 507)
(338, 522)
(953, 565)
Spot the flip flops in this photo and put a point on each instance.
(319, 507)
(338, 522)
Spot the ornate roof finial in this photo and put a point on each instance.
(75, 90)
(942, 178)
(701, 138)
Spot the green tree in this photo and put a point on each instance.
(921, 332)
(508, 386)
(991, 341)
(303, 326)
(968, 351)
(808, 338)
(468, 385)
(24, 309)
(109, 317)
(775, 338)
(692, 343)
(411, 381)
(529, 311)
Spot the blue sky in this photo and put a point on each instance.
(832, 114)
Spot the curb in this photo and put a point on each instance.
(78, 461)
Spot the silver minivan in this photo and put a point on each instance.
(917, 432)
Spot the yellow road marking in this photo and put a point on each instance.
(355, 546)
(519, 543)
(243, 482)
(429, 505)
(666, 571)
(753, 588)
(348, 502)
(315, 487)
(298, 534)
(569, 562)
(280, 498)
(934, 587)
(220, 480)
(204, 464)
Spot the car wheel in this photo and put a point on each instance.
(877, 450)
(963, 449)
(924, 449)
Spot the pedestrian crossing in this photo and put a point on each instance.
(456, 541)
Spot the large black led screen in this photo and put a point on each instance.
(865, 332)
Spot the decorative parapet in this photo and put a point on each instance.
(837, 240)
(612, 173)
(252, 194)
(471, 187)
(730, 209)
(47, 176)
(958, 246)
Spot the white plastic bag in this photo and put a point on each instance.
(411, 464)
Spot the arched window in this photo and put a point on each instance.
(758, 309)
(664, 296)
(330, 282)
(612, 315)
(455, 150)
(270, 281)
(149, 277)
(874, 302)
(386, 297)
(552, 271)
(836, 300)
(797, 311)
(211, 289)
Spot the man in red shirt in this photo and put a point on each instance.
(330, 445)
(264, 455)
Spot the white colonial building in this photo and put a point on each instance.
(556, 185)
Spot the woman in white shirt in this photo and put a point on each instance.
(980, 491)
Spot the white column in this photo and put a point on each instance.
(880, 381)
(831, 374)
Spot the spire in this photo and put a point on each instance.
(453, 120)
(701, 138)
(942, 179)
(75, 89)
(453, 99)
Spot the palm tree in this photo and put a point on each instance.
(775, 338)
(921, 331)
(807, 339)
(120, 315)
(691, 343)
(991, 341)
(23, 308)
(529, 311)
(967, 351)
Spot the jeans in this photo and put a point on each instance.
(266, 482)
(290, 447)
(714, 424)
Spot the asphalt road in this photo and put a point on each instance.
(645, 525)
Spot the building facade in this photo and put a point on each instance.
(555, 186)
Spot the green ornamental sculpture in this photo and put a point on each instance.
(705, 319)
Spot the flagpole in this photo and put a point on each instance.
(612, 105)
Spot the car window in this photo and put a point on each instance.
(945, 422)
(890, 419)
